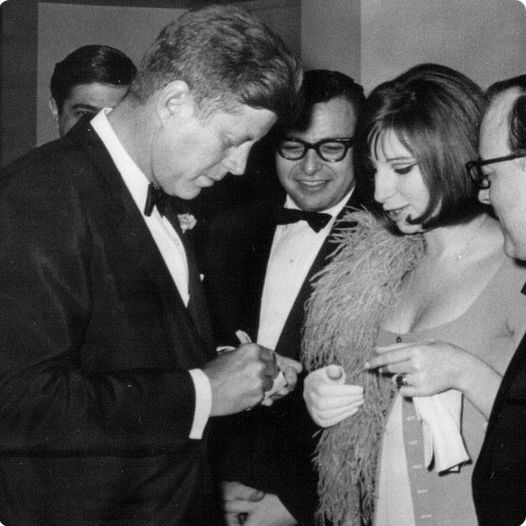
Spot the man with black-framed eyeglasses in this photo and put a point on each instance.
(499, 478)
(331, 150)
(475, 169)
(260, 261)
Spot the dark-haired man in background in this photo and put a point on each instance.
(108, 373)
(258, 264)
(88, 79)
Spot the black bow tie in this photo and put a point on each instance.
(316, 220)
(156, 197)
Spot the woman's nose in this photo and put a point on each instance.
(383, 185)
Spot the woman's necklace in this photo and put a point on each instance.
(459, 256)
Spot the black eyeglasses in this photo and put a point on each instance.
(474, 168)
(330, 150)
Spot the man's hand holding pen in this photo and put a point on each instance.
(249, 375)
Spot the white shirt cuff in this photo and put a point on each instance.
(203, 403)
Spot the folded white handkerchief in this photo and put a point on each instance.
(440, 417)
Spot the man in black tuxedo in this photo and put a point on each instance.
(499, 478)
(108, 373)
(259, 263)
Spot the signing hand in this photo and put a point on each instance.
(239, 378)
(329, 400)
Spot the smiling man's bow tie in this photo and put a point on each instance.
(316, 220)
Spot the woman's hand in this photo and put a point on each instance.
(329, 400)
(431, 367)
(427, 367)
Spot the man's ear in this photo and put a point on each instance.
(175, 99)
(53, 107)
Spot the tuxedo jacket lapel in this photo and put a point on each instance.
(197, 305)
(257, 269)
(289, 340)
(119, 213)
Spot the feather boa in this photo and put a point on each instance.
(350, 298)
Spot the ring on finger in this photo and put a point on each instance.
(400, 380)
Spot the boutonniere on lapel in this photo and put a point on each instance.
(186, 222)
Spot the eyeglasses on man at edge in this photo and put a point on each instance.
(330, 150)
(474, 168)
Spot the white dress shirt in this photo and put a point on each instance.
(294, 249)
(169, 244)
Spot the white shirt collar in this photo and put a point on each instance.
(132, 175)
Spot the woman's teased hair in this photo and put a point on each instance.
(435, 112)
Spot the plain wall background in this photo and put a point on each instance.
(375, 40)
(485, 39)
(330, 35)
